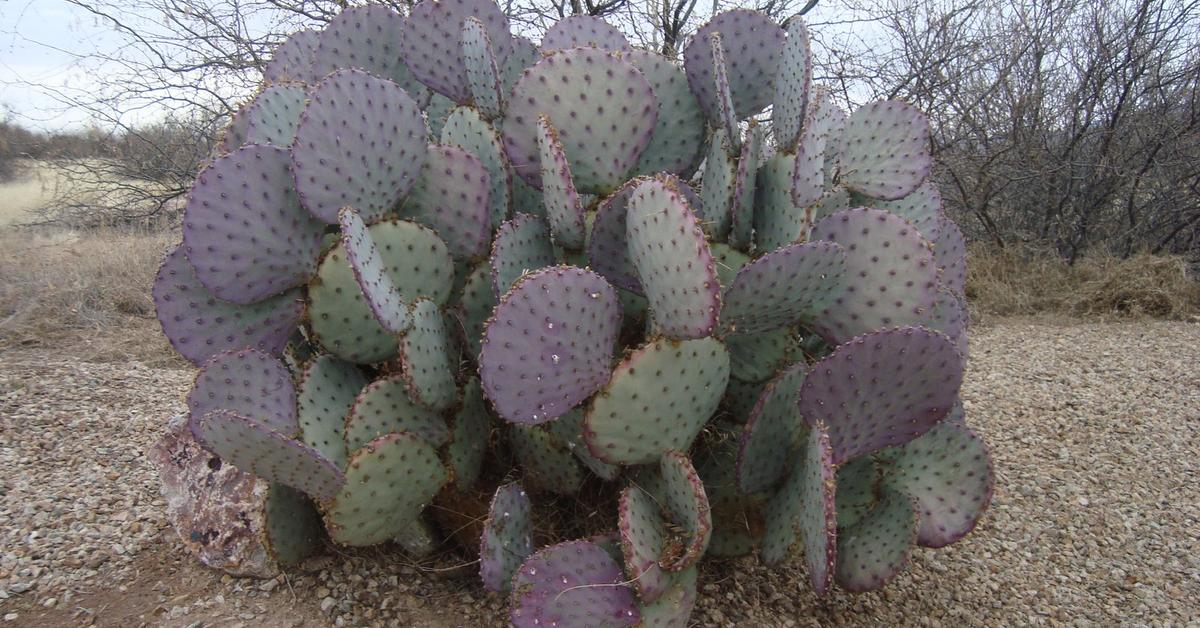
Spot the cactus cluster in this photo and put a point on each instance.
(435, 263)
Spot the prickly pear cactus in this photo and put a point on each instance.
(429, 249)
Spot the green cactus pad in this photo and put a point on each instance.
(757, 357)
(327, 390)
(524, 54)
(687, 506)
(549, 344)
(507, 537)
(260, 450)
(475, 307)
(199, 325)
(674, 607)
(948, 472)
(886, 150)
(643, 539)
(832, 201)
(417, 262)
(466, 129)
(740, 398)
(850, 390)
(546, 461)
(737, 525)
(808, 170)
(772, 434)
(874, 550)
(522, 245)
(728, 260)
(258, 247)
(432, 42)
(603, 108)
(436, 113)
(829, 121)
(817, 517)
(950, 256)
(451, 197)
(563, 209)
(672, 259)
(425, 351)
(388, 483)
(890, 274)
(367, 38)
(419, 539)
(293, 525)
(371, 273)
(575, 583)
(273, 117)
(383, 407)
(293, 59)
(483, 77)
(856, 482)
(575, 31)
(658, 399)
(786, 286)
(470, 436)
(250, 383)
(793, 79)
(726, 116)
(922, 208)
(677, 142)
(373, 130)
(752, 43)
(777, 221)
(569, 429)
(720, 180)
(741, 211)
(949, 316)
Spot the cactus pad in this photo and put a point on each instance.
(475, 307)
(808, 171)
(367, 38)
(777, 220)
(369, 270)
(737, 522)
(273, 117)
(575, 583)
(432, 38)
(922, 208)
(576, 31)
(856, 483)
(784, 287)
(948, 471)
(673, 609)
(466, 129)
(608, 248)
(643, 539)
(425, 351)
(672, 259)
(875, 549)
(260, 450)
(720, 181)
(383, 407)
(522, 245)
(726, 116)
(483, 77)
(687, 506)
(658, 399)
(603, 108)
(546, 460)
(569, 429)
(678, 138)
(886, 150)
(470, 436)
(772, 433)
(451, 197)
(293, 59)
(741, 210)
(199, 325)
(752, 43)
(388, 483)
(817, 517)
(892, 269)
(380, 149)
(950, 255)
(507, 537)
(327, 391)
(740, 398)
(949, 316)
(852, 390)
(418, 264)
(549, 344)
(524, 54)
(728, 260)
(249, 383)
(250, 250)
(793, 80)
(757, 357)
(563, 209)
(293, 525)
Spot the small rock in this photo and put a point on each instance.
(327, 604)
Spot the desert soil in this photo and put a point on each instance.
(1095, 430)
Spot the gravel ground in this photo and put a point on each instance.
(1095, 430)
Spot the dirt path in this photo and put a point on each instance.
(1095, 430)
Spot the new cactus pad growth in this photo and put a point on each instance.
(433, 257)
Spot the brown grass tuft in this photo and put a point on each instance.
(1024, 281)
(86, 293)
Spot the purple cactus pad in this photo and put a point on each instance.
(923, 208)
(793, 80)
(643, 539)
(432, 42)
(752, 43)
(250, 383)
(507, 537)
(575, 583)
(293, 59)
(885, 152)
(687, 506)
(451, 197)
(727, 117)
(577, 31)
(371, 273)
(522, 245)
(950, 256)
(563, 209)
(366, 38)
(783, 287)
(483, 77)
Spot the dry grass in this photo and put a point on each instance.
(1021, 281)
(86, 293)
